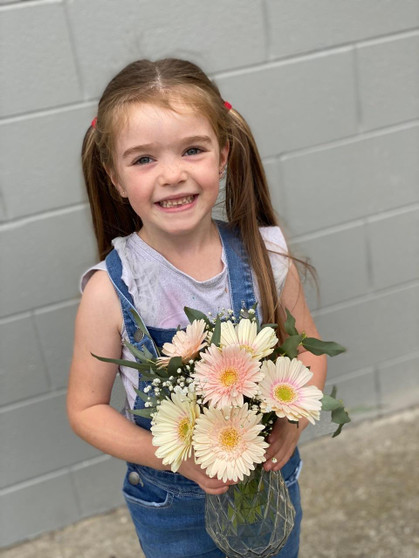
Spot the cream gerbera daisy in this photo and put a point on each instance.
(245, 334)
(185, 344)
(282, 391)
(224, 376)
(227, 442)
(172, 429)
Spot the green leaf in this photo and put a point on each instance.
(174, 364)
(216, 336)
(139, 354)
(337, 431)
(290, 324)
(146, 413)
(329, 403)
(340, 416)
(143, 396)
(149, 356)
(141, 325)
(290, 346)
(193, 315)
(319, 347)
(122, 362)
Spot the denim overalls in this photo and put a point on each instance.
(168, 509)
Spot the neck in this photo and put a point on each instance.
(198, 254)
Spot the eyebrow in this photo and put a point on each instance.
(149, 146)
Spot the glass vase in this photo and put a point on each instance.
(253, 518)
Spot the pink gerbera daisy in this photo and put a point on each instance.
(227, 442)
(283, 390)
(185, 344)
(225, 376)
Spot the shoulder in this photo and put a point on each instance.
(99, 300)
(120, 246)
(88, 274)
(99, 293)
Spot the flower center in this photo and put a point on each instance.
(229, 438)
(229, 377)
(285, 393)
(183, 429)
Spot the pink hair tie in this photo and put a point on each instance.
(227, 105)
(93, 124)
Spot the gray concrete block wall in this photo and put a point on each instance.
(331, 90)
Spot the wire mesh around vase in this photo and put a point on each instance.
(253, 519)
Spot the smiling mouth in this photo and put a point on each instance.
(177, 202)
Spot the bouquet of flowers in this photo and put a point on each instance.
(215, 392)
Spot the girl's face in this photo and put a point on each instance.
(168, 166)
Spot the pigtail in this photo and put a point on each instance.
(112, 216)
(248, 207)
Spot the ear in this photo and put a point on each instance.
(224, 155)
(114, 179)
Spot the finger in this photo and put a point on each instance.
(221, 490)
(278, 460)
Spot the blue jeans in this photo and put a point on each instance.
(168, 512)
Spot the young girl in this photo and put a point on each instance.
(153, 160)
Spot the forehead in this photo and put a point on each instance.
(153, 122)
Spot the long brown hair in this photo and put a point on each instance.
(248, 203)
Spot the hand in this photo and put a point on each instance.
(194, 472)
(283, 440)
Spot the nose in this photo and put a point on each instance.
(172, 173)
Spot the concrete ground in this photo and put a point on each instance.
(360, 496)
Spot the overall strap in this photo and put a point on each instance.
(239, 270)
(135, 335)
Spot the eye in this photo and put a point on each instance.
(193, 151)
(145, 160)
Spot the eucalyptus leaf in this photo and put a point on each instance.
(329, 403)
(145, 413)
(290, 346)
(319, 347)
(147, 353)
(148, 376)
(123, 362)
(340, 416)
(290, 324)
(174, 364)
(142, 395)
(337, 431)
(193, 315)
(138, 353)
(141, 325)
(216, 336)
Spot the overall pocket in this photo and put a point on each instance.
(139, 491)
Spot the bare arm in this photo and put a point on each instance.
(91, 417)
(285, 435)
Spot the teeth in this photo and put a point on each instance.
(176, 203)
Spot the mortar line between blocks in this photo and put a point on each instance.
(28, 219)
(39, 310)
(368, 297)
